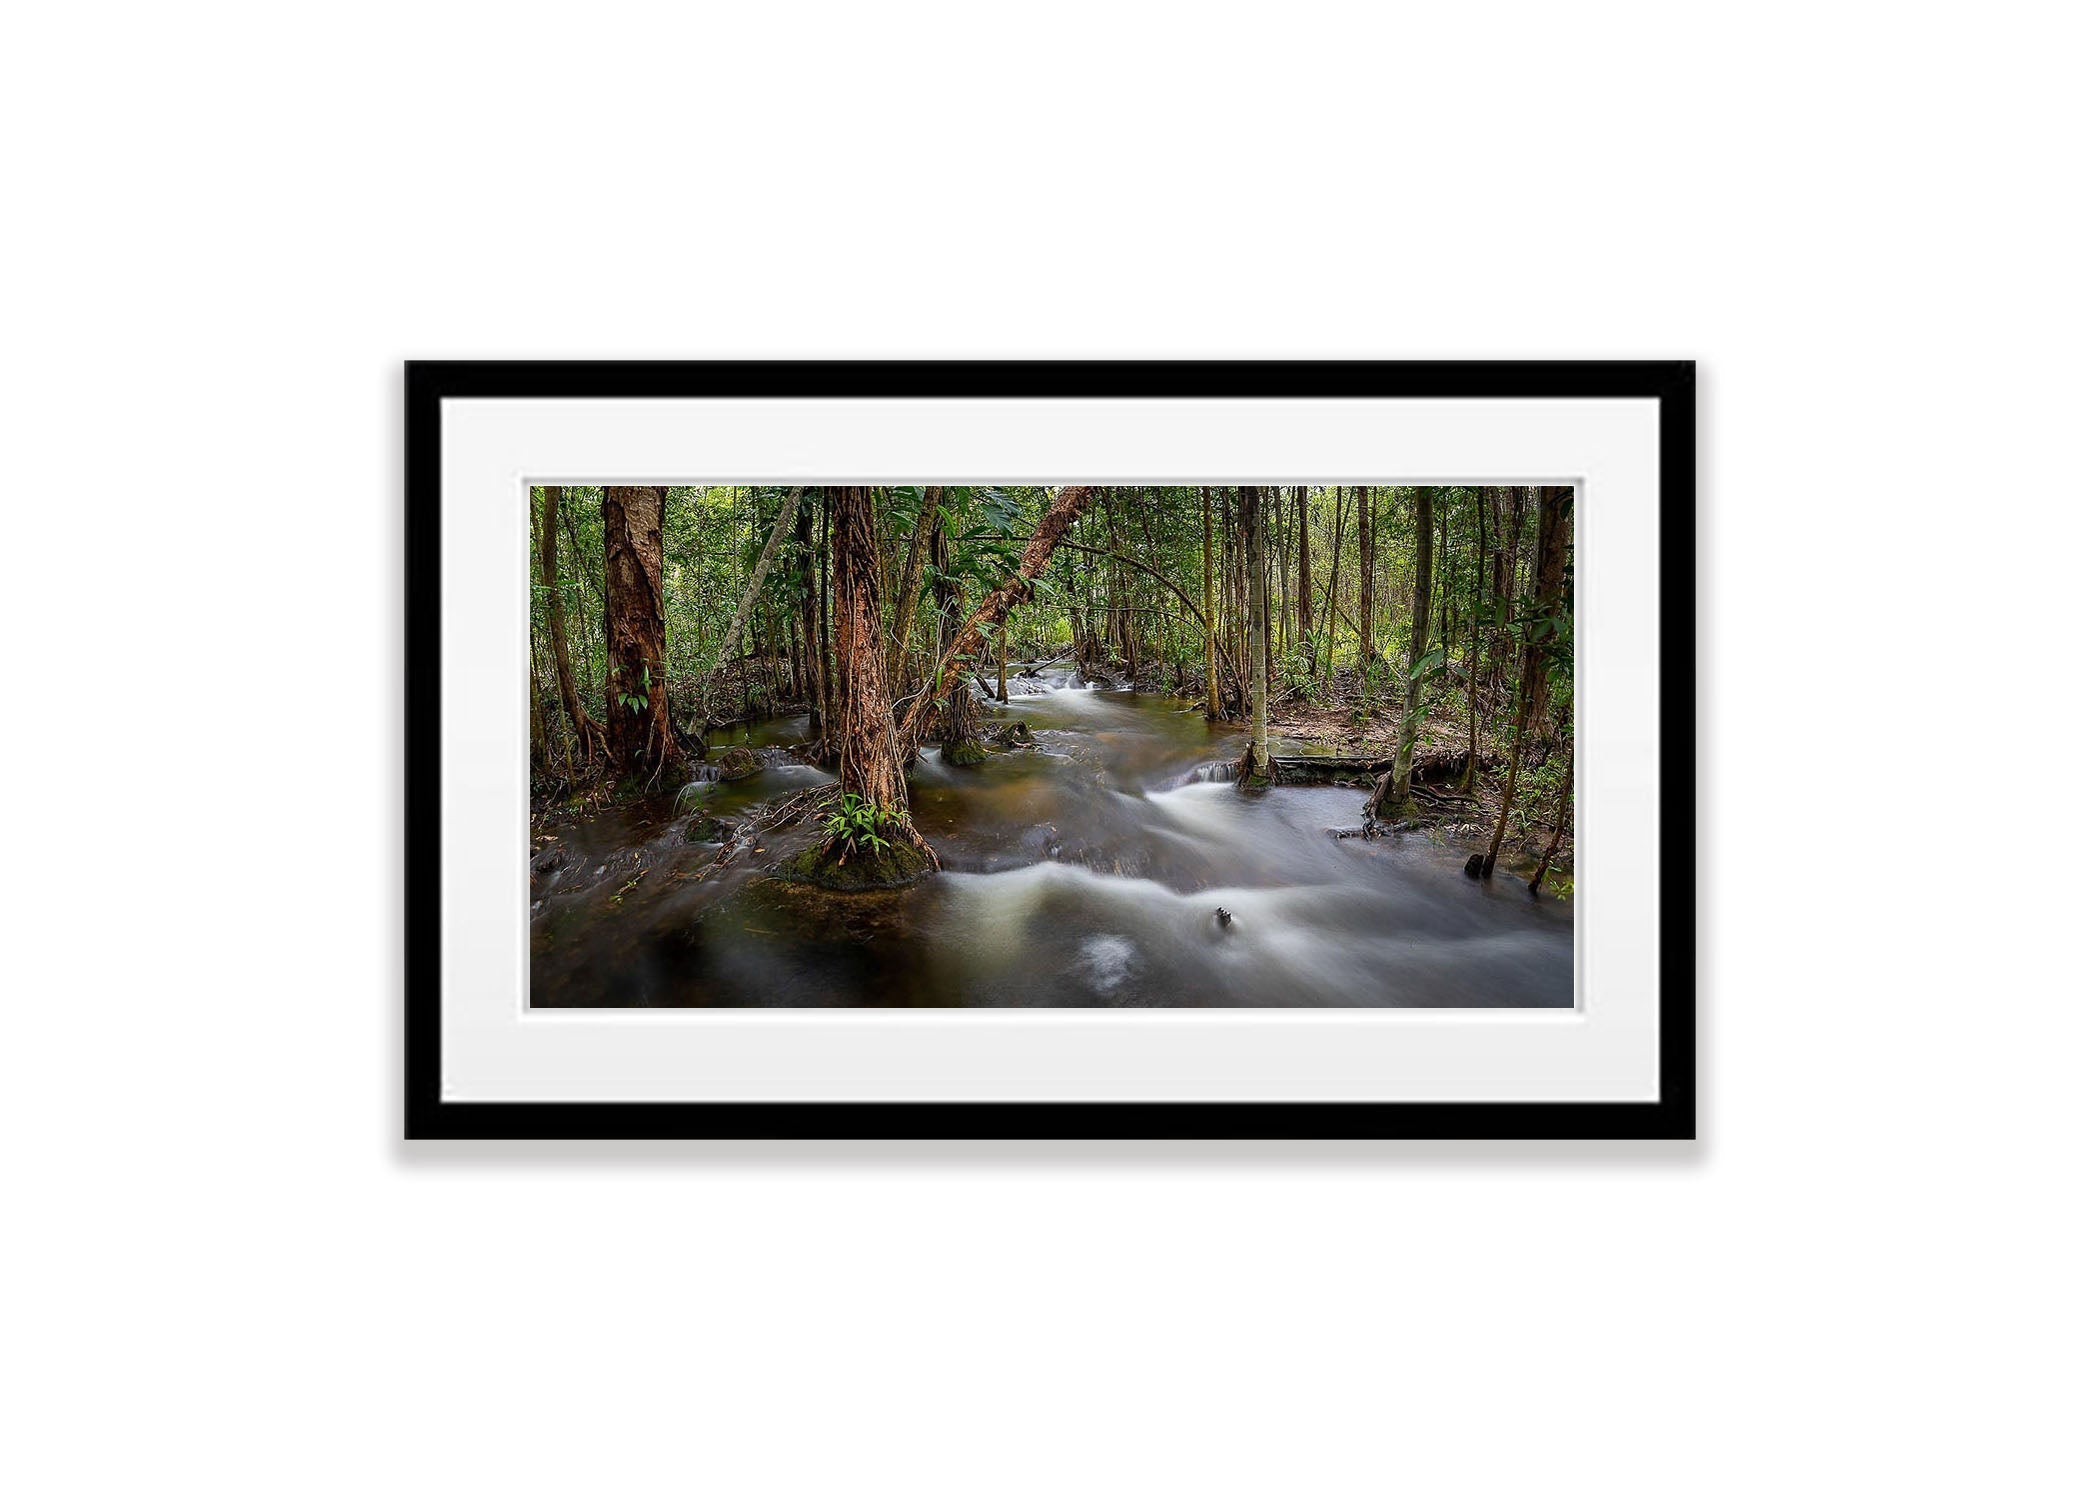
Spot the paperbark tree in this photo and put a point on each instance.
(637, 708)
(1399, 783)
(1549, 575)
(1305, 609)
(1334, 580)
(880, 846)
(1363, 599)
(956, 724)
(589, 737)
(1253, 528)
(1509, 525)
(1473, 663)
(1213, 709)
(816, 674)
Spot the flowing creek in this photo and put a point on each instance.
(1086, 871)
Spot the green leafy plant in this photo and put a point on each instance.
(635, 703)
(858, 824)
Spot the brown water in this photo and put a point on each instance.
(1088, 870)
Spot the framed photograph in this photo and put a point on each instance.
(1129, 750)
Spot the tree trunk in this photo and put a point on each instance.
(1276, 516)
(1510, 773)
(1251, 524)
(1509, 522)
(1400, 795)
(1002, 661)
(1334, 581)
(1143, 567)
(1214, 708)
(589, 737)
(815, 678)
(585, 618)
(1548, 585)
(1560, 823)
(1473, 663)
(870, 766)
(955, 725)
(992, 610)
(638, 729)
(735, 634)
(1363, 599)
(1305, 613)
(542, 736)
(908, 582)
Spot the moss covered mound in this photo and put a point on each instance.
(964, 753)
(736, 763)
(874, 870)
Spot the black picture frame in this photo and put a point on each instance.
(1671, 1116)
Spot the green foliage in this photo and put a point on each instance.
(859, 824)
(634, 703)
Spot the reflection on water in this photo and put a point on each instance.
(1090, 870)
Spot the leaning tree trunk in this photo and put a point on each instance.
(992, 610)
(735, 634)
(637, 707)
(589, 737)
(1399, 792)
(1549, 575)
(1560, 822)
(1257, 631)
(1509, 787)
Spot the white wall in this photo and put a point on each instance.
(227, 226)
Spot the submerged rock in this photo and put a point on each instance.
(737, 763)
(708, 830)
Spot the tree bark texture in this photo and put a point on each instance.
(1549, 578)
(1417, 644)
(588, 736)
(1363, 598)
(1251, 524)
(869, 765)
(638, 732)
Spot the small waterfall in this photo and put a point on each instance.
(694, 792)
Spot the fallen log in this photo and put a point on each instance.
(1325, 770)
